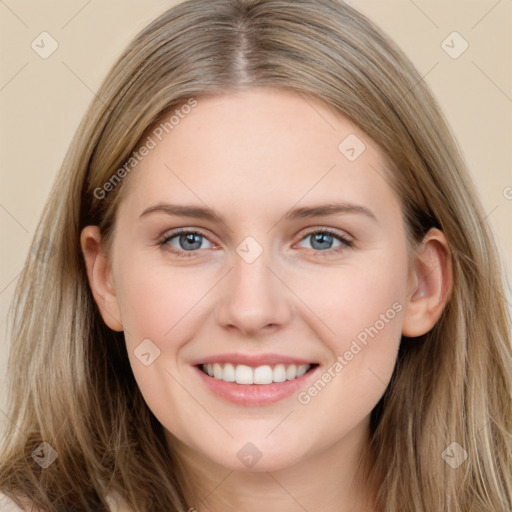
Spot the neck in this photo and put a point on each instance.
(330, 477)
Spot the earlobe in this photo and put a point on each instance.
(430, 285)
(99, 276)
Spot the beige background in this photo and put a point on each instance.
(43, 100)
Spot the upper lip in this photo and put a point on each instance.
(251, 359)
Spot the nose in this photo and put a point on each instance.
(254, 298)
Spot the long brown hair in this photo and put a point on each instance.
(71, 385)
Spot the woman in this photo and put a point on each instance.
(256, 371)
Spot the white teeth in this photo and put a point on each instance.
(291, 372)
(302, 369)
(279, 373)
(217, 371)
(229, 373)
(263, 375)
(243, 374)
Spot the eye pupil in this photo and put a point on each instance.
(190, 238)
(323, 238)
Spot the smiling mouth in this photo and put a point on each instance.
(247, 375)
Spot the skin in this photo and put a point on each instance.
(252, 156)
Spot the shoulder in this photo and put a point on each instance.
(115, 503)
(7, 505)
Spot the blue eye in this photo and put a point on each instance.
(188, 242)
(323, 239)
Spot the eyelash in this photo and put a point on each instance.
(345, 243)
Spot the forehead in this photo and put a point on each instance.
(259, 148)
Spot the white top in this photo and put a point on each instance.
(7, 505)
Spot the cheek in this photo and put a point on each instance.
(364, 311)
(158, 304)
(155, 300)
(166, 306)
(350, 299)
(146, 309)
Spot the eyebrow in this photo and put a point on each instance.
(321, 210)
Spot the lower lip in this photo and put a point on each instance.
(254, 394)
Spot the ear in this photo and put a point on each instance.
(100, 277)
(430, 284)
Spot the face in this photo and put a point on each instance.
(258, 276)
